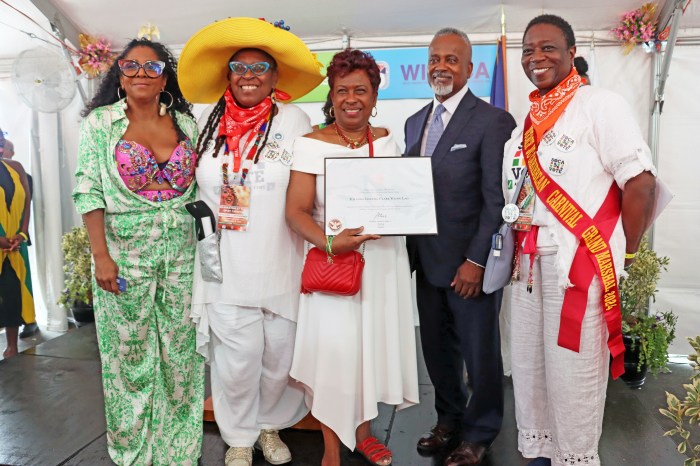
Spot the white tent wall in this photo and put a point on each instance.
(676, 231)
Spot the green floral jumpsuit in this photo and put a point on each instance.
(152, 376)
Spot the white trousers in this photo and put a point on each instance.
(251, 353)
(559, 394)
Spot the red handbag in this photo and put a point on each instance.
(340, 274)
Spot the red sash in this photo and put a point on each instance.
(593, 256)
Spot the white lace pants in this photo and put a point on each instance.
(251, 353)
(559, 394)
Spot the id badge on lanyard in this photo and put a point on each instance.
(234, 207)
(234, 203)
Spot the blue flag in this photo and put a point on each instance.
(499, 87)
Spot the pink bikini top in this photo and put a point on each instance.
(138, 167)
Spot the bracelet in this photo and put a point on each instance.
(24, 235)
(329, 245)
(630, 255)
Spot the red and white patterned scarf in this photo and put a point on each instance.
(237, 121)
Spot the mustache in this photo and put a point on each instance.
(441, 74)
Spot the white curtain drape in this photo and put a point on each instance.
(54, 147)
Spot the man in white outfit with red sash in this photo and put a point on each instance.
(582, 211)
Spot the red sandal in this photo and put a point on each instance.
(373, 450)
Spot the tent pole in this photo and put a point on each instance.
(68, 29)
(59, 33)
(660, 65)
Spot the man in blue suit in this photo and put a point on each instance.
(464, 136)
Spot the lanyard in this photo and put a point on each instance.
(256, 133)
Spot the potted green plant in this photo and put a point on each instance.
(77, 292)
(646, 335)
(685, 413)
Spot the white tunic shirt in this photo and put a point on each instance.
(261, 266)
(595, 141)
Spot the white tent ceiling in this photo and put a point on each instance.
(315, 21)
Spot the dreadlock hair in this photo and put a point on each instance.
(108, 92)
(212, 124)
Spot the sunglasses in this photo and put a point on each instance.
(258, 69)
(152, 68)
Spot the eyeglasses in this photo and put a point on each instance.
(258, 69)
(152, 68)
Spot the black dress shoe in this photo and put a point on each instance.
(28, 330)
(467, 454)
(439, 437)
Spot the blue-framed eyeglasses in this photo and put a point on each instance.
(258, 69)
(152, 68)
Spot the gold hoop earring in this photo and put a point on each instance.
(374, 111)
(163, 108)
(331, 112)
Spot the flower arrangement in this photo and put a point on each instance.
(636, 27)
(96, 55)
(653, 332)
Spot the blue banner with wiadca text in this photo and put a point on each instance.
(404, 73)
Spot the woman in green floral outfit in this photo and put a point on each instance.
(135, 174)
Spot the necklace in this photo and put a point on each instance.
(350, 143)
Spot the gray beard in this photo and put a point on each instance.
(441, 90)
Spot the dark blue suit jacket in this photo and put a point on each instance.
(468, 195)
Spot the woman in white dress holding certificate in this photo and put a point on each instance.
(351, 352)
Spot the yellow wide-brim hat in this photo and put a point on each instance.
(203, 66)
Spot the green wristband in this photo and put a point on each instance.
(329, 245)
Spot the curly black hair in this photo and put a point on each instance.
(581, 66)
(326, 109)
(555, 21)
(108, 91)
(349, 60)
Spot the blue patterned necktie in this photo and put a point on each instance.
(435, 130)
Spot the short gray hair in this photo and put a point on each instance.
(452, 31)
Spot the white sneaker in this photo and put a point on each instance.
(239, 456)
(273, 448)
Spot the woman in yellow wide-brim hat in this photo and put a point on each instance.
(246, 322)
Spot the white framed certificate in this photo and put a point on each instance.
(385, 195)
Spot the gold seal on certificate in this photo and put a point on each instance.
(335, 225)
(385, 195)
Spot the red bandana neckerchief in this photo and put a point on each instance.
(237, 121)
(593, 256)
